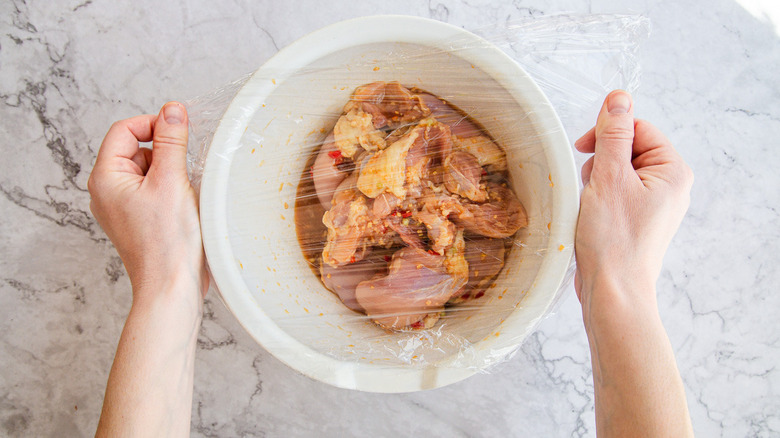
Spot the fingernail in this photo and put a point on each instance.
(619, 103)
(173, 113)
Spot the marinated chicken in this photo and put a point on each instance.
(412, 293)
(416, 205)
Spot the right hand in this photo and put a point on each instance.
(143, 200)
(637, 190)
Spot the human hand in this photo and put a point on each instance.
(637, 189)
(143, 200)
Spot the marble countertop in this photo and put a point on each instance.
(68, 69)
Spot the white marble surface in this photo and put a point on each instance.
(70, 68)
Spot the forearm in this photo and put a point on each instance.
(149, 390)
(638, 388)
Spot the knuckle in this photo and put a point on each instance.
(688, 174)
(94, 184)
(683, 171)
(617, 131)
(643, 125)
(169, 142)
(166, 139)
(682, 180)
(91, 184)
(119, 124)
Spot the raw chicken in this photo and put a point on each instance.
(454, 258)
(326, 173)
(343, 280)
(417, 285)
(485, 258)
(427, 154)
(462, 174)
(385, 204)
(459, 124)
(406, 174)
(355, 130)
(346, 221)
(385, 171)
(485, 150)
(501, 216)
(409, 231)
(389, 104)
(441, 231)
(351, 226)
(442, 201)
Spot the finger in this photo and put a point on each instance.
(123, 137)
(587, 143)
(614, 134)
(652, 148)
(143, 159)
(647, 137)
(587, 168)
(169, 145)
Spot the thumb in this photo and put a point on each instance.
(614, 134)
(169, 143)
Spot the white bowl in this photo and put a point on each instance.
(258, 153)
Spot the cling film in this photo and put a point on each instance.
(406, 203)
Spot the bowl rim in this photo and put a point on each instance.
(213, 202)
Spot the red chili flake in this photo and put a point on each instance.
(432, 252)
(352, 260)
(406, 214)
(387, 258)
(480, 294)
(484, 172)
(337, 158)
(417, 325)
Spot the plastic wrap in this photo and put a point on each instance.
(389, 203)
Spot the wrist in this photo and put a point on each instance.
(617, 300)
(178, 292)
